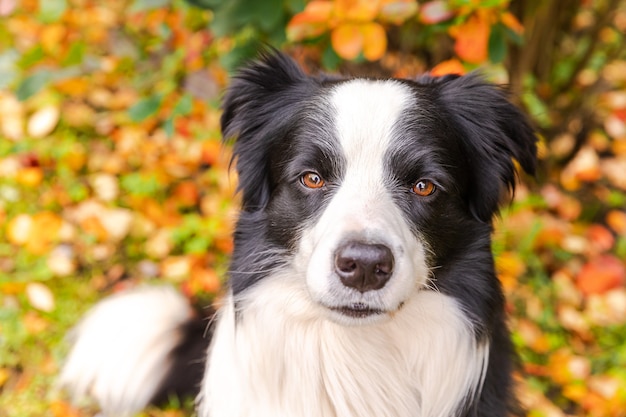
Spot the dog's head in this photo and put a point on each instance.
(366, 188)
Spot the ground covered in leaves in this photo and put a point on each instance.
(112, 174)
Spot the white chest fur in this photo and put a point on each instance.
(282, 357)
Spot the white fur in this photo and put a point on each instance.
(120, 349)
(281, 357)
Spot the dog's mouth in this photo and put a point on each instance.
(358, 310)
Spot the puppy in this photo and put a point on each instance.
(362, 281)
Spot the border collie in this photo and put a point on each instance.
(362, 281)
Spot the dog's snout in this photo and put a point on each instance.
(364, 267)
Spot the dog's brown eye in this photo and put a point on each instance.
(424, 188)
(312, 180)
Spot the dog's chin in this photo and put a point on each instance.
(358, 314)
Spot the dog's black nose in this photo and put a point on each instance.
(362, 266)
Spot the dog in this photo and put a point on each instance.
(362, 281)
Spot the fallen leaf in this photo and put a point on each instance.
(11, 116)
(61, 261)
(43, 121)
(601, 274)
(616, 220)
(600, 238)
(19, 228)
(40, 296)
(176, 267)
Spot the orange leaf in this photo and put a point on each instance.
(205, 280)
(375, 41)
(472, 38)
(434, 12)
(357, 10)
(600, 237)
(313, 21)
(509, 20)
(30, 176)
(45, 230)
(601, 275)
(186, 193)
(616, 220)
(397, 11)
(451, 66)
(347, 40)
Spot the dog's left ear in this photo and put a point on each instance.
(494, 131)
(259, 108)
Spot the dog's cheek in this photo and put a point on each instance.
(290, 212)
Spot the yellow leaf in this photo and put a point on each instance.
(616, 220)
(357, 10)
(52, 37)
(30, 176)
(374, 41)
(347, 40)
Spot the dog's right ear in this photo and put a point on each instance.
(260, 107)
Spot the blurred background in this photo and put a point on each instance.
(112, 173)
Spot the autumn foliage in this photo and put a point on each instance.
(112, 171)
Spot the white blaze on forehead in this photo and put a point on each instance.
(366, 112)
(362, 207)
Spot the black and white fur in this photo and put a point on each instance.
(352, 295)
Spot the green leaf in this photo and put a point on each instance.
(31, 57)
(205, 4)
(168, 127)
(140, 184)
(51, 10)
(183, 106)
(330, 59)
(198, 244)
(32, 85)
(8, 67)
(497, 44)
(145, 108)
(75, 54)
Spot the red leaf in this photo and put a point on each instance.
(601, 275)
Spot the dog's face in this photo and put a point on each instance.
(368, 190)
